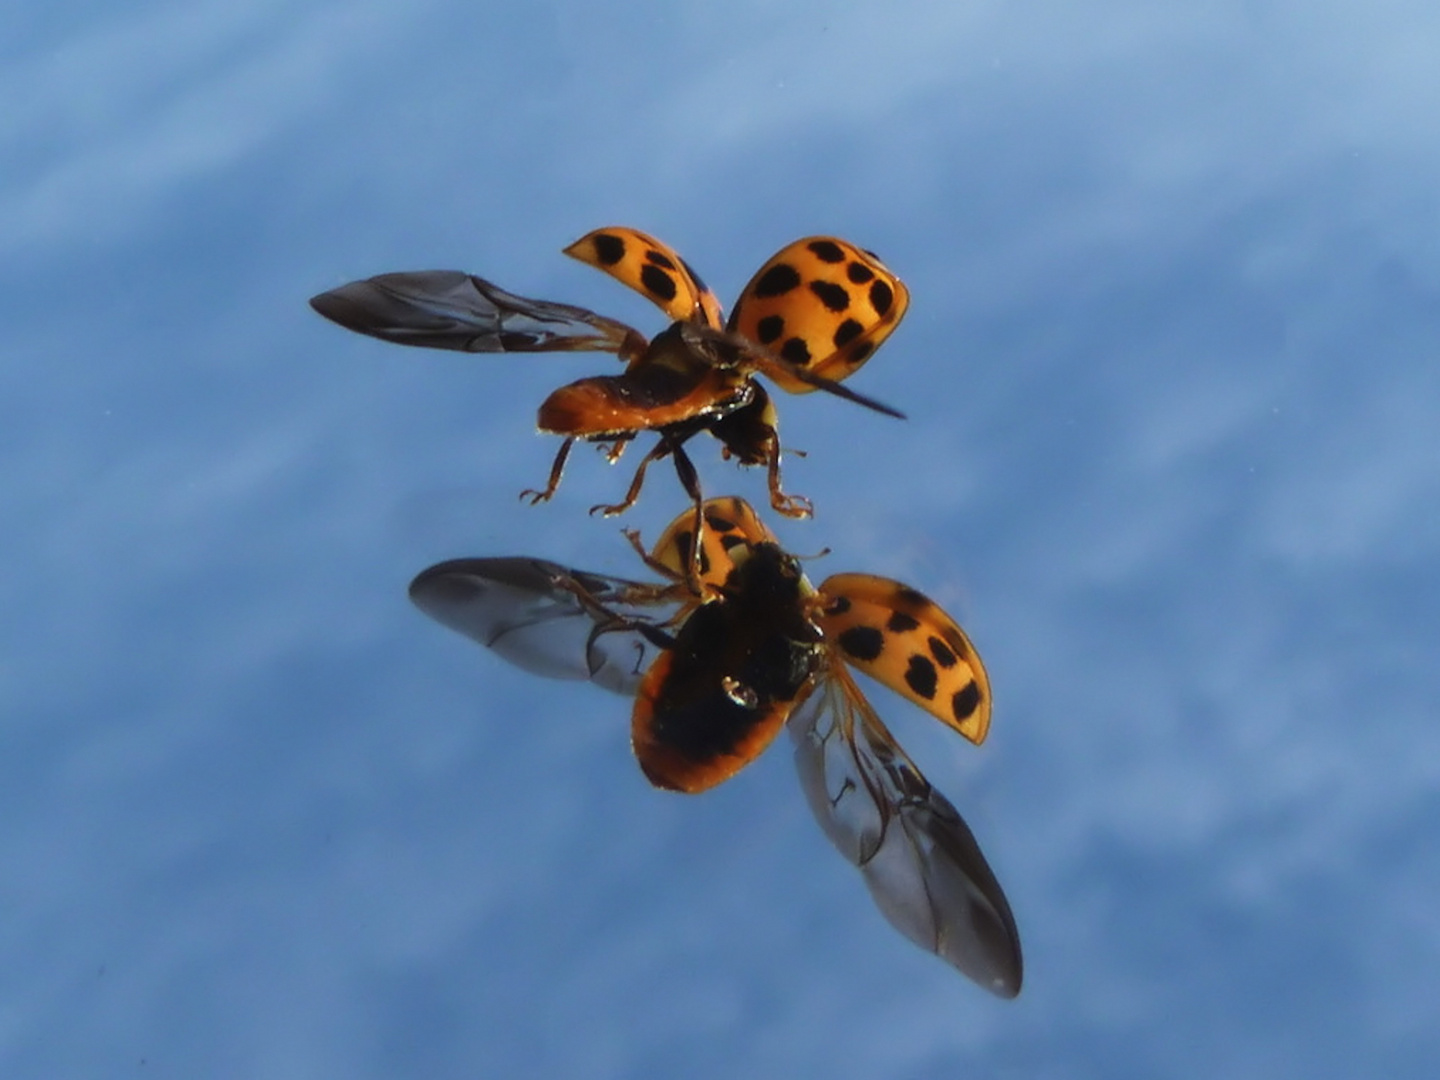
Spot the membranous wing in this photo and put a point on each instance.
(550, 620)
(449, 309)
(726, 349)
(923, 866)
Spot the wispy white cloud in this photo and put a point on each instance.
(101, 129)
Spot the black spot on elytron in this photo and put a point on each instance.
(859, 273)
(658, 282)
(965, 702)
(838, 606)
(609, 249)
(718, 523)
(796, 351)
(848, 331)
(660, 259)
(943, 654)
(831, 295)
(921, 677)
(881, 296)
(862, 642)
(900, 623)
(908, 595)
(860, 353)
(769, 328)
(826, 251)
(777, 281)
(682, 544)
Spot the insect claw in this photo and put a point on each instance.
(633, 536)
(556, 471)
(792, 506)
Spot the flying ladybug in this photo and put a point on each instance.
(716, 671)
(809, 318)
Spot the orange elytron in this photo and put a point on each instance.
(717, 666)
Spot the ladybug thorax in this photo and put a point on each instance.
(681, 347)
(766, 585)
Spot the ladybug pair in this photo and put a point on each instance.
(732, 642)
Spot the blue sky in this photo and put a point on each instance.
(1170, 368)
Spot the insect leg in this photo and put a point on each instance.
(662, 448)
(556, 470)
(792, 506)
(633, 536)
(690, 481)
(615, 449)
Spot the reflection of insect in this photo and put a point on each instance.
(808, 319)
(716, 674)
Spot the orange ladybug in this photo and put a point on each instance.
(717, 668)
(810, 317)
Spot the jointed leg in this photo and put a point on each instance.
(690, 481)
(793, 506)
(665, 570)
(556, 471)
(633, 494)
(615, 449)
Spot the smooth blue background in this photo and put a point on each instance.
(1171, 371)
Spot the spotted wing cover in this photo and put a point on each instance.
(822, 304)
(449, 309)
(729, 522)
(547, 619)
(904, 640)
(653, 269)
(921, 862)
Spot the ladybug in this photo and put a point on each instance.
(717, 667)
(810, 317)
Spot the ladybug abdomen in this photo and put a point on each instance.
(642, 399)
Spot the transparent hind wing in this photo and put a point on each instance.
(449, 309)
(923, 866)
(726, 349)
(550, 620)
